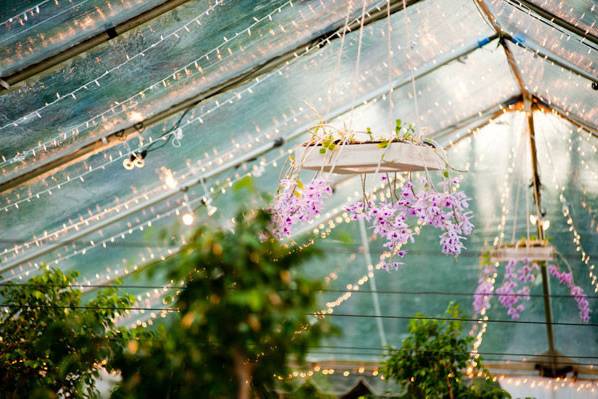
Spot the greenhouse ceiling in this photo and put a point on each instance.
(212, 91)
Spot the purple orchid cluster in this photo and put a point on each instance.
(296, 203)
(566, 279)
(515, 287)
(445, 210)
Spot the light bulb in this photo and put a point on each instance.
(128, 164)
(188, 218)
(139, 162)
(533, 219)
(135, 116)
(546, 224)
(211, 209)
(170, 181)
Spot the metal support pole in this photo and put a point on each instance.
(536, 186)
(527, 101)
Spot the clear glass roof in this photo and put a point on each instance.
(208, 87)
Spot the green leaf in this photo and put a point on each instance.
(244, 183)
(398, 126)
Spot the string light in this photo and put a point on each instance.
(575, 236)
(478, 330)
(22, 17)
(234, 97)
(185, 71)
(186, 204)
(145, 195)
(188, 215)
(73, 179)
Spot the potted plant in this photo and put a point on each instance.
(524, 248)
(362, 152)
(412, 204)
(518, 277)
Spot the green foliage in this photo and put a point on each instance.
(485, 388)
(242, 318)
(431, 360)
(308, 391)
(328, 143)
(50, 344)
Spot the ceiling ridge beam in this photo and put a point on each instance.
(99, 144)
(45, 65)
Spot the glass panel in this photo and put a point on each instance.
(581, 13)
(535, 33)
(44, 29)
(148, 70)
(553, 84)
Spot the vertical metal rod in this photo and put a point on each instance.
(536, 185)
(527, 102)
(372, 280)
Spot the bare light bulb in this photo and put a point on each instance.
(211, 209)
(188, 219)
(128, 164)
(170, 181)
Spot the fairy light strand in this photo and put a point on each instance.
(171, 77)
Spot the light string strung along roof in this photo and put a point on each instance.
(105, 241)
(324, 228)
(367, 369)
(22, 19)
(527, 32)
(585, 258)
(81, 24)
(479, 329)
(122, 106)
(315, 46)
(542, 83)
(165, 137)
(76, 130)
(326, 222)
(221, 161)
(35, 9)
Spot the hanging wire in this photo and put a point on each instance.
(346, 315)
(355, 79)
